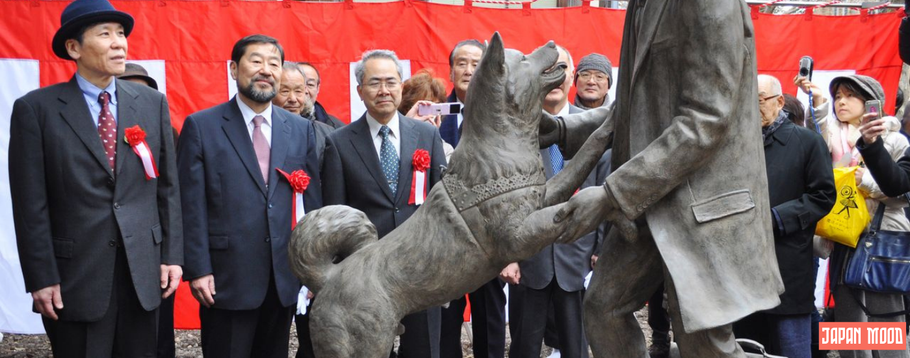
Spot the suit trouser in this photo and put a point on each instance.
(126, 329)
(488, 322)
(166, 347)
(262, 332)
(305, 343)
(421, 334)
(528, 320)
(625, 277)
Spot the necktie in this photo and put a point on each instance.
(555, 159)
(107, 129)
(388, 159)
(261, 146)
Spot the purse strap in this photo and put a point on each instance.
(876, 226)
(877, 219)
(866, 309)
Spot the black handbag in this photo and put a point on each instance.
(880, 263)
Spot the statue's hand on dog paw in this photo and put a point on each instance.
(588, 209)
(552, 130)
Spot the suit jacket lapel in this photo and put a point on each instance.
(650, 18)
(235, 129)
(281, 138)
(363, 143)
(408, 146)
(126, 117)
(75, 112)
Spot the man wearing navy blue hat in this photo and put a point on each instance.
(95, 195)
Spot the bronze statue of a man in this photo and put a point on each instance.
(688, 197)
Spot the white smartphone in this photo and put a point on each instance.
(438, 108)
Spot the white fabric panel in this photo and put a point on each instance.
(21, 76)
(357, 107)
(822, 79)
(156, 70)
(820, 280)
(232, 84)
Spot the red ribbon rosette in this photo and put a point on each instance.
(135, 137)
(299, 181)
(420, 162)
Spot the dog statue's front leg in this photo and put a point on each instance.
(564, 184)
(536, 232)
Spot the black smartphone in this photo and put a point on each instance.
(805, 67)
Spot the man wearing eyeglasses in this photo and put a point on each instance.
(370, 163)
(801, 191)
(593, 79)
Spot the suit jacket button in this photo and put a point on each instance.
(270, 205)
(396, 210)
(116, 205)
(112, 243)
(110, 182)
(268, 239)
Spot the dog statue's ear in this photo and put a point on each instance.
(494, 57)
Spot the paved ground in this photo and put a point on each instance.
(34, 346)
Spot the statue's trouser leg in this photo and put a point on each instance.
(625, 276)
(717, 342)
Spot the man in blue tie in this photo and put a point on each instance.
(554, 278)
(370, 162)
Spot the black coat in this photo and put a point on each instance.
(893, 178)
(801, 190)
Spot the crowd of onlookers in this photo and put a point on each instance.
(111, 205)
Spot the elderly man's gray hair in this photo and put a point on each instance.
(292, 66)
(374, 54)
(773, 85)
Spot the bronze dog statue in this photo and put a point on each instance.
(493, 207)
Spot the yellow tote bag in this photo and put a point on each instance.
(847, 219)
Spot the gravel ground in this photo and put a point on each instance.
(187, 341)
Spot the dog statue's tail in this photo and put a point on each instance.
(325, 237)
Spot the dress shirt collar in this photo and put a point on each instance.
(248, 113)
(374, 126)
(92, 92)
(564, 111)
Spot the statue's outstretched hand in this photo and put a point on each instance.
(588, 209)
(551, 130)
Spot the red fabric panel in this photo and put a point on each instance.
(195, 39)
(865, 43)
(186, 308)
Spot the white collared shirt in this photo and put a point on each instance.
(564, 111)
(460, 113)
(248, 115)
(394, 134)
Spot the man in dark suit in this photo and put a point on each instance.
(554, 278)
(293, 96)
(99, 232)
(370, 166)
(166, 347)
(313, 83)
(488, 303)
(239, 207)
(801, 190)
